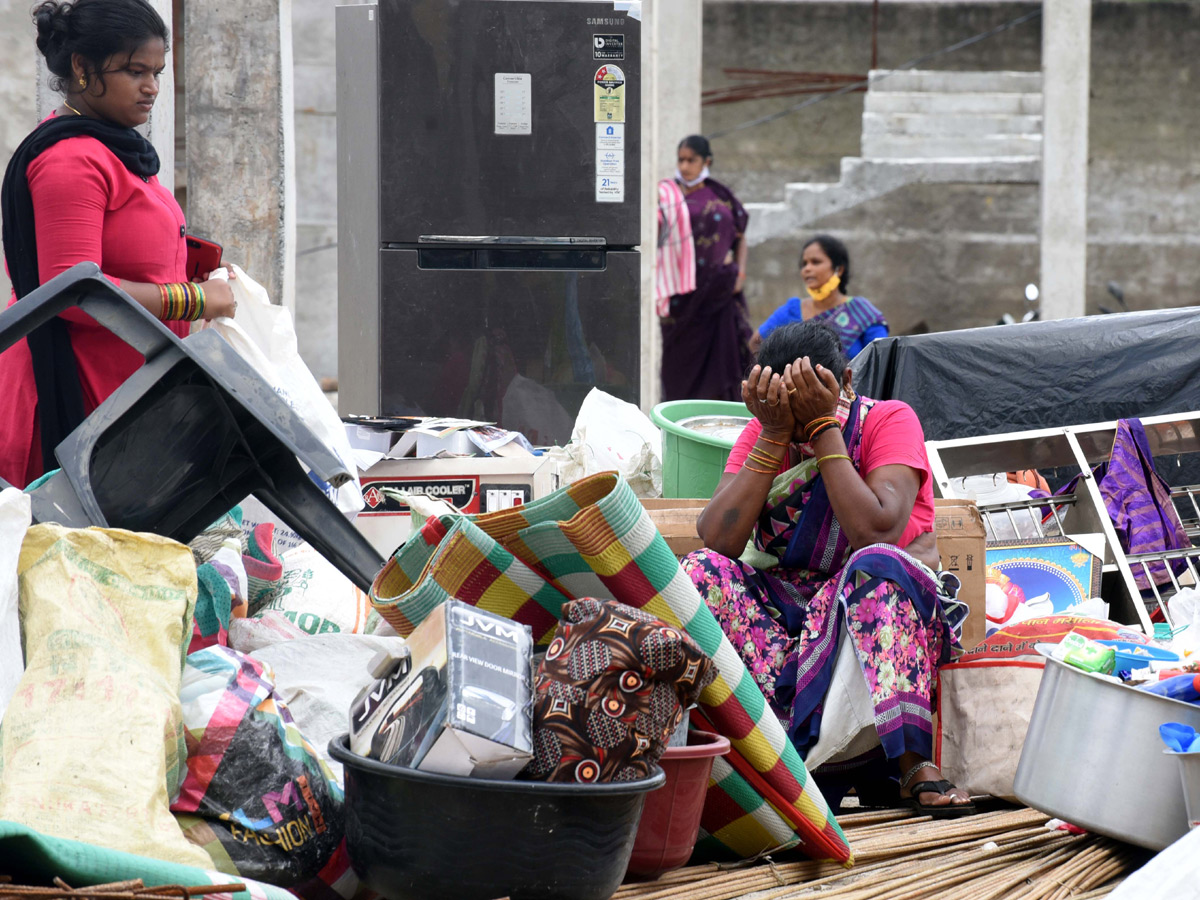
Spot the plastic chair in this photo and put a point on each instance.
(185, 438)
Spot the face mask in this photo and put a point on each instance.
(826, 289)
(679, 177)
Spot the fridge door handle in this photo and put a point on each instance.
(511, 240)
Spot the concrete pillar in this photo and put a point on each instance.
(240, 142)
(679, 68)
(651, 338)
(18, 103)
(672, 48)
(1066, 60)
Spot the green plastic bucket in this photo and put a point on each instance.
(693, 462)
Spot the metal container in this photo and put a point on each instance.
(1093, 757)
(721, 428)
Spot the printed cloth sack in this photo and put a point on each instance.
(612, 688)
(593, 538)
(985, 700)
(257, 796)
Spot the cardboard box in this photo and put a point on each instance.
(461, 704)
(961, 544)
(473, 484)
(676, 521)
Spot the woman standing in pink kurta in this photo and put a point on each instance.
(82, 187)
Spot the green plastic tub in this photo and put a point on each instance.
(693, 461)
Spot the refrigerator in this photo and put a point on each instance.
(488, 209)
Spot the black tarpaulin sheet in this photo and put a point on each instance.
(1039, 374)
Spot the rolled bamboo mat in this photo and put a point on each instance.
(1004, 855)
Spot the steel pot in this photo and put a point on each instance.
(1093, 757)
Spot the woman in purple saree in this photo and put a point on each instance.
(706, 334)
(820, 537)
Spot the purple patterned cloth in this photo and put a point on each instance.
(1139, 502)
(851, 320)
(706, 335)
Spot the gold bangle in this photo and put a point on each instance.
(764, 458)
(759, 471)
(834, 456)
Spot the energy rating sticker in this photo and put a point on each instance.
(610, 94)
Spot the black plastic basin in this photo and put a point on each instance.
(418, 836)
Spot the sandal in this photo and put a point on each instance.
(948, 811)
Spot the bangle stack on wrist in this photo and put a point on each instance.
(820, 426)
(763, 458)
(182, 301)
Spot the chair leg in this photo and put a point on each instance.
(298, 501)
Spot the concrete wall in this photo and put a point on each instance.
(952, 256)
(18, 79)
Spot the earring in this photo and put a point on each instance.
(82, 81)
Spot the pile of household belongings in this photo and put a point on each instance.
(176, 702)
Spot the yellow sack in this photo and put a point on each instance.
(91, 746)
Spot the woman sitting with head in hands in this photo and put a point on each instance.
(822, 526)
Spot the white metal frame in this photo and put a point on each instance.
(1081, 447)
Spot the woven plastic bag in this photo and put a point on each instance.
(257, 797)
(92, 744)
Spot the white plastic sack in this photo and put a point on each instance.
(612, 434)
(319, 677)
(317, 598)
(263, 335)
(14, 521)
(250, 635)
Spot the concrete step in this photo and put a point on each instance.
(989, 104)
(865, 179)
(942, 81)
(961, 125)
(931, 147)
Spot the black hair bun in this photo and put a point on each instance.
(51, 18)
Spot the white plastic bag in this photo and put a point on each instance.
(318, 678)
(14, 521)
(612, 434)
(1184, 608)
(263, 335)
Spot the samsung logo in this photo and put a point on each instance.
(604, 21)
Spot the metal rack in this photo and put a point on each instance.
(1077, 449)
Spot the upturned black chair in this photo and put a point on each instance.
(185, 438)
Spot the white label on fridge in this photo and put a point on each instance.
(610, 188)
(609, 136)
(610, 162)
(514, 104)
